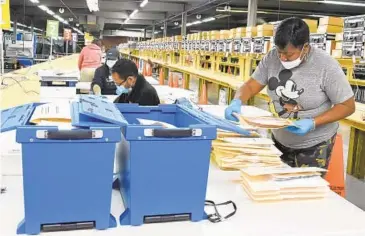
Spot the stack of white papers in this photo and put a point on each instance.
(52, 112)
(285, 183)
(234, 152)
(265, 122)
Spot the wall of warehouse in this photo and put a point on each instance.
(109, 41)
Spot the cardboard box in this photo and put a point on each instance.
(232, 33)
(265, 33)
(265, 27)
(251, 31)
(240, 32)
(240, 35)
(224, 34)
(337, 53)
(241, 29)
(330, 20)
(265, 30)
(339, 37)
(322, 29)
(339, 45)
(214, 35)
(205, 35)
(198, 36)
(312, 24)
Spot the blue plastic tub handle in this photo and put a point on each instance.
(69, 134)
(172, 133)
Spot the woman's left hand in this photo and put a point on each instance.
(301, 127)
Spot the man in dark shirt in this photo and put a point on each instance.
(131, 86)
(103, 84)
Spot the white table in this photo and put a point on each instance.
(331, 216)
(324, 217)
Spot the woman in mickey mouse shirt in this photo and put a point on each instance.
(305, 84)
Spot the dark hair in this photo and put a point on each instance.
(97, 42)
(292, 31)
(125, 68)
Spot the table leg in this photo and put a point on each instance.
(356, 155)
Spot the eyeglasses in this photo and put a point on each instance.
(120, 84)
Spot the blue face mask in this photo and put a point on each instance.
(121, 90)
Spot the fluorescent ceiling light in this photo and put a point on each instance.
(196, 22)
(144, 3)
(208, 19)
(133, 13)
(156, 32)
(318, 16)
(93, 5)
(43, 7)
(50, 12)
(189, 24)
(34, 1)
(126, 20)
(60, 19)
(356, 4)
(236, 10)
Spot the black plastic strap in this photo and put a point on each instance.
(216, 217)
(70, 134)
(172, 133)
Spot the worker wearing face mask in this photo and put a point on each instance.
(103, 83)
(131, 86)
(305, 84)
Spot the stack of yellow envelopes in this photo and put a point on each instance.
(286, 183)
(233, 152)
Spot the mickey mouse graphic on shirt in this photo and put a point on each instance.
(286, 90)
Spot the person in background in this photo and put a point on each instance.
(89, 60)
(131, 86)
(305, 84)
(103, 83)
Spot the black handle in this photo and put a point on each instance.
(70, 134)
(172, 133)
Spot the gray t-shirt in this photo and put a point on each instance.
(314, 87)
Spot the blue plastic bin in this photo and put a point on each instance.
(67, 174)
(163, 172)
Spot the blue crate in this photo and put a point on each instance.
(67, 174)
(163, 172)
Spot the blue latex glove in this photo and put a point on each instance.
(301, 127)
(234, 107)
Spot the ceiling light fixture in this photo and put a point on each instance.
(133, 13)
(93, 5)
(317, 16)
(355, 4)
(50, 12)
(196, 22)
(236, 10)
(34, 1)
(144, 3)
(43, 7)
(60, 19)
(126, 21)
(208, 19)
